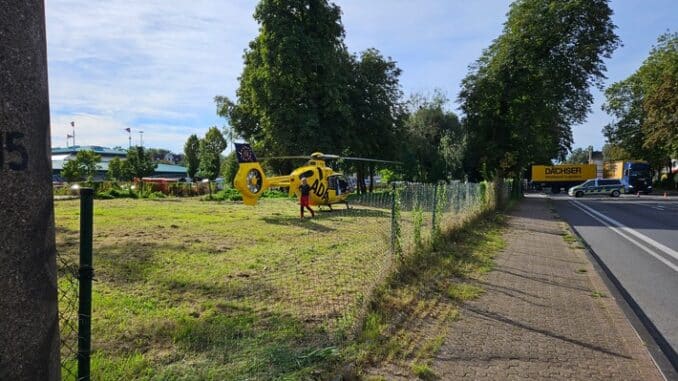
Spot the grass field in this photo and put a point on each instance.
(192, 290)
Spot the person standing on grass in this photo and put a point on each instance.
(305, 190)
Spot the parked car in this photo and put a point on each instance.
(597, 187)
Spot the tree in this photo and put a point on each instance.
(293, 96)
(83, 166)
(645, 105)
(160, 155)
(138, 163)
(613, 152)
(579, 156)
(116, 170)
(191, 151)
(377, 112)
(211, 148)
(433, 143)
(229, 167)
(529, 87)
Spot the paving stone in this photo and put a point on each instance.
(538, 319)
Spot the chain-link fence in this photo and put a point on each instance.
(254, 293)
(324, 279)
(73, 274)
(67, 270)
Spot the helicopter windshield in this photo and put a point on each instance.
(338, 183)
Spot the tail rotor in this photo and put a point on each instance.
(250, 179)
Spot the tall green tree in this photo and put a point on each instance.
(211, 148)
(116, 169)
(645, 106)
(293, 93)
(529, 87)
(82, 167)
(433, 144)
(191, 152)
(377, 113)
(138, 163)
(229, 167)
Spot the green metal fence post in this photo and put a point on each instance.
(86, 273)
(393, 218)
(435, 206)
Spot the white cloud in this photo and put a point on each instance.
(156, 65)
(124, 63)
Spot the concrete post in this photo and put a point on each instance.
(29, 324)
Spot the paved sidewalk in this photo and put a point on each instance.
(546, 314)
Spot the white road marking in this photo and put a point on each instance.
(621, 229)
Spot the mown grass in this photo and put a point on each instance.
(409, 316)
(192, 290)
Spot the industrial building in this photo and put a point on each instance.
(60, 155)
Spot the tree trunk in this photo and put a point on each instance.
(498, 188)
(360, 179)
(371, 169)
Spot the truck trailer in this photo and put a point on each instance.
(561, 176)
(634, 175)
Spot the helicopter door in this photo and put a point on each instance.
(342, 185)
(335, 184)
(332, 182)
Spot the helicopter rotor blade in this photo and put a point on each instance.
(284, 157)
(372, 160)
(330, 156)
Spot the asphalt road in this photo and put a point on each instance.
(637, 239)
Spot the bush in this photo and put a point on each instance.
(62, 190)
(182, 190)
(116, 192)
(228, 194)
(232, 194)
(155, 195)
(270, 193)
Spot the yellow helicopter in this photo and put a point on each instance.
(327, 186)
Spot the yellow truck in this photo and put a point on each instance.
(561, 176)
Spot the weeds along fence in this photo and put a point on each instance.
(272, 298)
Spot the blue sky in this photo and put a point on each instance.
(155, 66)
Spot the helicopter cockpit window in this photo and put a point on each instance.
(343, 184)
(333, 182)
(306, 174)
